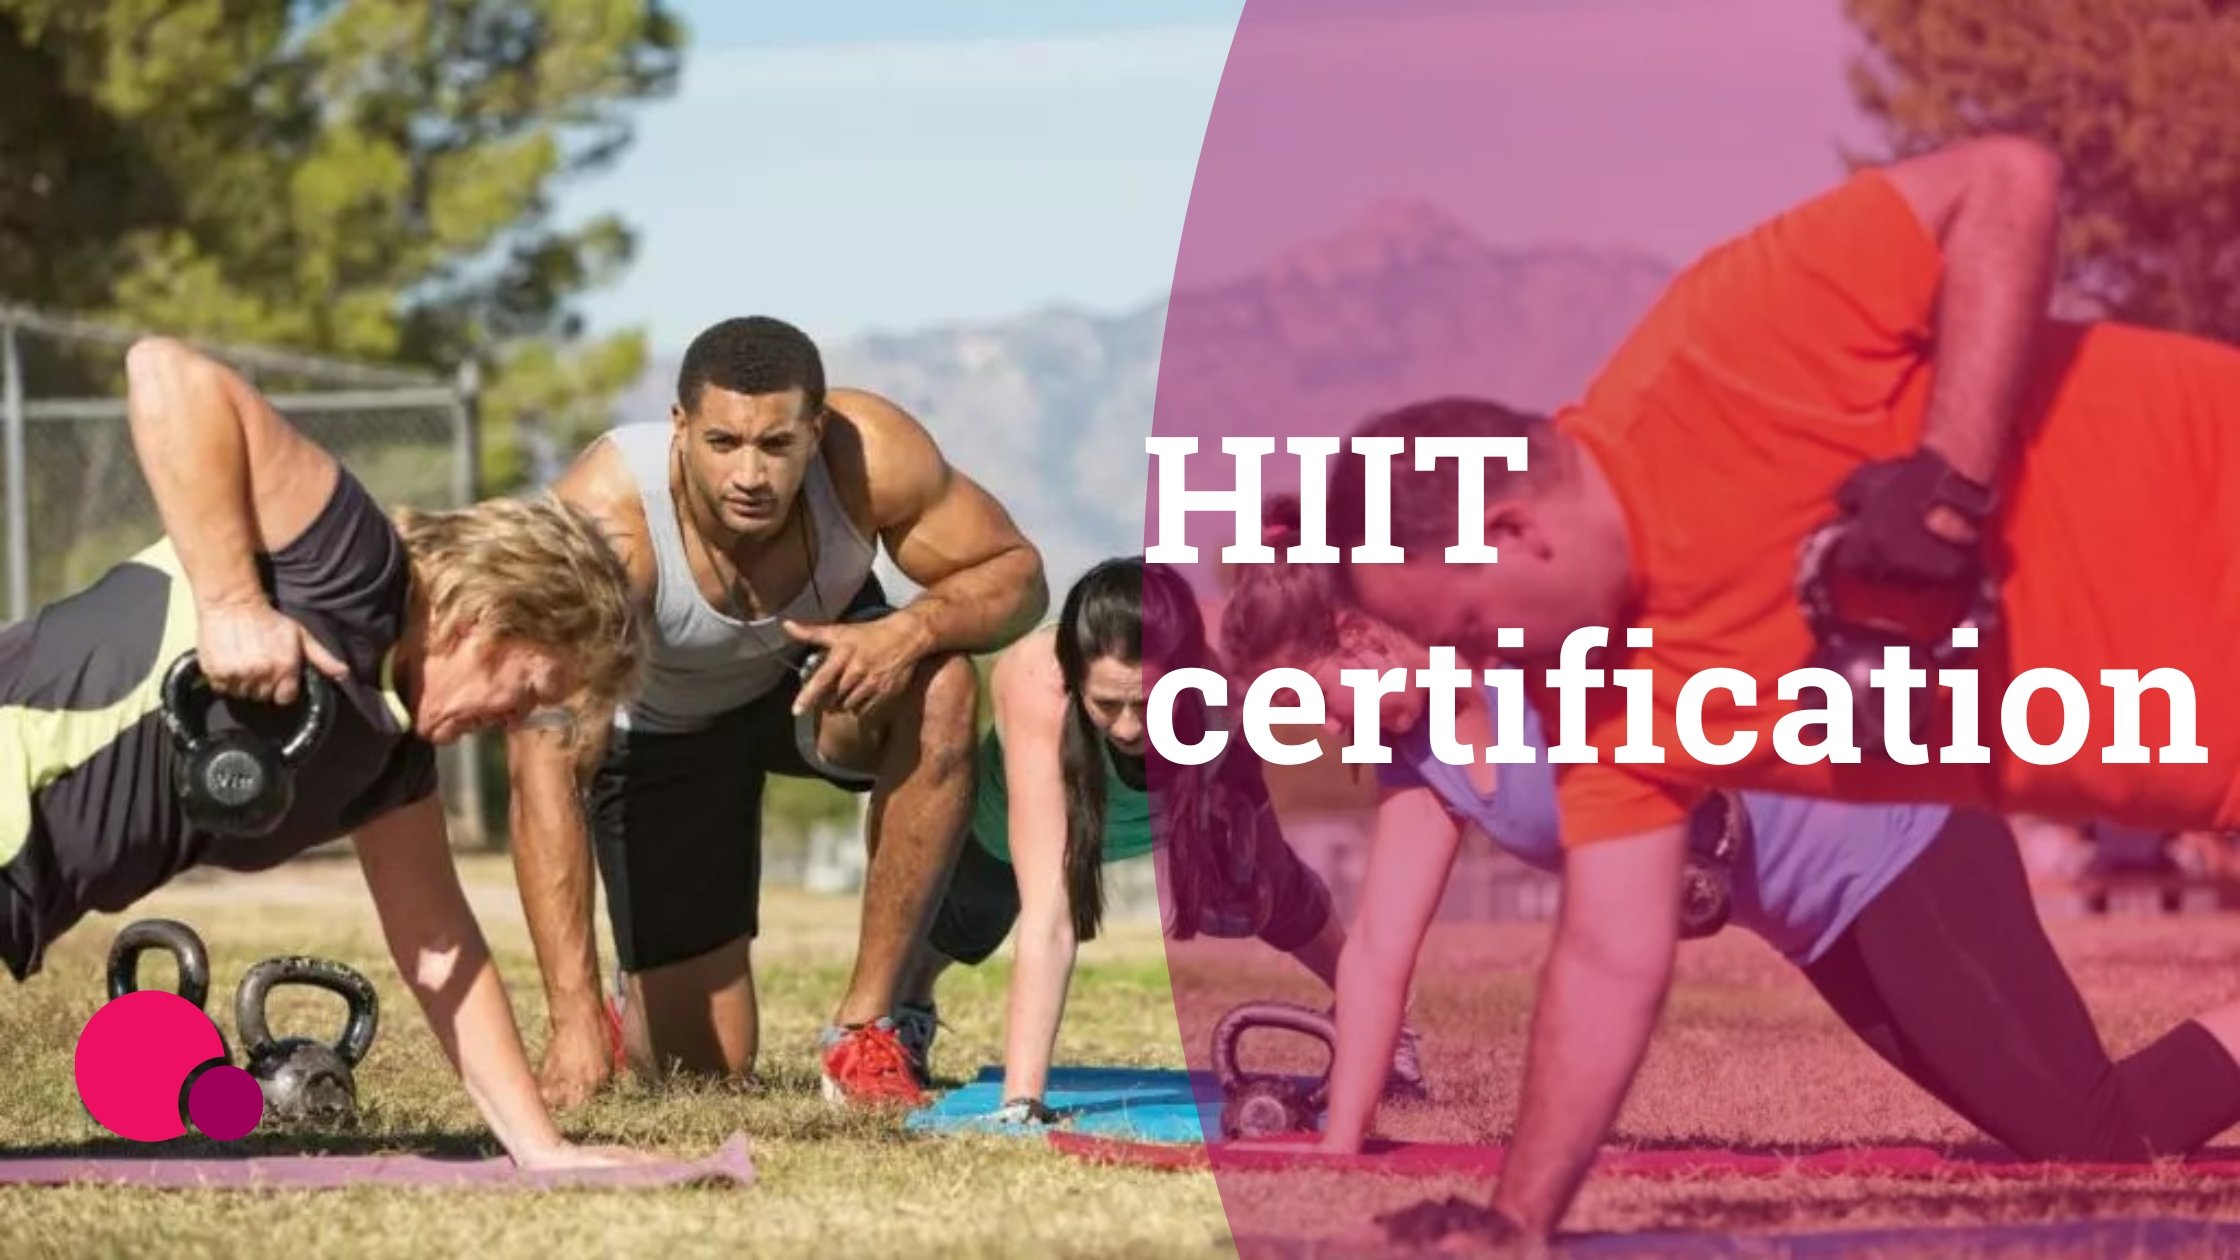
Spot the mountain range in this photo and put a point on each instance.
(1049, 410)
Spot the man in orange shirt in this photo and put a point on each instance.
(1876, 358)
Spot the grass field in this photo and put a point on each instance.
(1748, 1057)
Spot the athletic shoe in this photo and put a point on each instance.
(868, 1066)
(1406, 1078)
(916, 1026)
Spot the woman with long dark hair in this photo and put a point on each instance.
(1063, 790)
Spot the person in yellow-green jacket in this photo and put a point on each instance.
(1063, 790)
(321, 626)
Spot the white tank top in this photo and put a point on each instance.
(703, 662)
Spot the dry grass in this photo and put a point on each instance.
(1748, 1058)
(831, 1184)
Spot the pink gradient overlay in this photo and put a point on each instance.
(226, 1103)
(132, 1058)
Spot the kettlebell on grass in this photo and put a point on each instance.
(306, 1082)
(186, 950)
(1258, 1105)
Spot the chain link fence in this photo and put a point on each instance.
(76, 502)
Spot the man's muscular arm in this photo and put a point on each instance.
(1993, 207)
(981, 581)
(548, 758)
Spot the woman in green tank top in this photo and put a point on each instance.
(1063, 791)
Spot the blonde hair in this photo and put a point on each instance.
(537, 569)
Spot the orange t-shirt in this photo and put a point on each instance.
(1785, 359)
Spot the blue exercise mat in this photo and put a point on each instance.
(1136, 1104)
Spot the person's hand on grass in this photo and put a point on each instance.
(576, 1066)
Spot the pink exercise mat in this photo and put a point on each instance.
(1434, 1159)
(729, 1166)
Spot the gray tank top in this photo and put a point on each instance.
(704, 662)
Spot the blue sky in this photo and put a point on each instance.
(883, 165)
(873, 164)
(768, 24)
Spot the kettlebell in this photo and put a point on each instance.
(235, 782)
(186, 950)
(1715, 835)
(1257, 1105)
(306, 1081)
(170, 936)
(1853, 647)
(193, 960)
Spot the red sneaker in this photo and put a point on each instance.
(868, 1066)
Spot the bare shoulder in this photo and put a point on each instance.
(600, 483)
(1027, 684)
(884, 462)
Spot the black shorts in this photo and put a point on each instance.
(979, 908)
(676, 823)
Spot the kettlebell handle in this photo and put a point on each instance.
(314, 703)
(172, 937)
(256, 988)
(1228, 1034)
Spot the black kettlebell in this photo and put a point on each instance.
(306, 1081)
(193, 960)
(186, 950)
(1716, 833)
(235, 782)
(170, 936)
(1853, 647)
(1256, 1105)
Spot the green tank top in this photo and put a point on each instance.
(1127, 809)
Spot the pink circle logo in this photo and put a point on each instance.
(136, 1058)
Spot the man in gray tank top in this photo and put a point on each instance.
(749, 522)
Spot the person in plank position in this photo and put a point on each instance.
(749, 522)
(1064, 789)
(1872, 370)
(416, 632)
(1914, 923)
